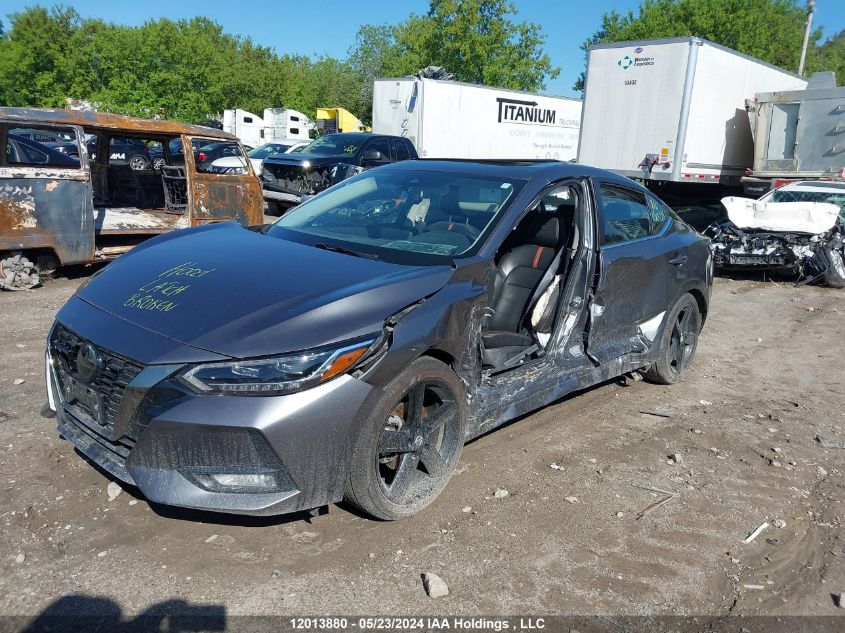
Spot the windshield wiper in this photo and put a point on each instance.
(345, 251)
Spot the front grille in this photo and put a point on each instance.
(97, 407)
(298, 180)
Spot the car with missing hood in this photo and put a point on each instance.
(797, 228)
(351, 348)
(289, 178)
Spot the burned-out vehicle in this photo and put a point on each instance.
(421, 305)
(66, 207)
(797, 229)
(327, 160)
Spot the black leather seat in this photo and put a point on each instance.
(520, 271)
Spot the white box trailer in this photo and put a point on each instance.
(278, 125)
(673, 109)
(450, 119)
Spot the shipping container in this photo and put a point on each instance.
(673, 109)
(450, 119)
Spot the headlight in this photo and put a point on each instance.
(281, 374)
(267, 175)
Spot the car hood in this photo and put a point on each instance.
(240, 293)
(786, 217)
(298, 159)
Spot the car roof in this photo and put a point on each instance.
(107, 121)
(361, 134)
(522, 169)
(813, 185)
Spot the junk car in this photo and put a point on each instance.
(289, 178)
(422, 304)
(66, 207)
(797, 229)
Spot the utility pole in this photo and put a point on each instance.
(811, 8)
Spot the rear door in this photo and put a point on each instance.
(631, 291)
(216, 197)
(45, 195)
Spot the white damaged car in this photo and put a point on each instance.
(798, 228)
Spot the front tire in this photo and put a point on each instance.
(834, 274)
(407, 452)
(677, 342)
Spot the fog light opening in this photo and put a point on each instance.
(245, 480)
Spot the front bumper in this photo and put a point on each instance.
(165, 439)
(282, 196)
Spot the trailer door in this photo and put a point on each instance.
(632, 106)
(395, 108)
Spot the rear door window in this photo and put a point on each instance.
(659, 214)
(219, 157)
(626, 214)
(401, 150)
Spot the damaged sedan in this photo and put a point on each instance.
(408, 310)
(797, 229)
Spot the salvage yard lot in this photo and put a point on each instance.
(767, 380)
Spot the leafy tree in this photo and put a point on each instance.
(771, 30)
(476, 40)
(830, 56)
(192, 70)
(33, 53)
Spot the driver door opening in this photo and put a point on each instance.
(531, 268)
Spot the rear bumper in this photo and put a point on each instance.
(169, 440)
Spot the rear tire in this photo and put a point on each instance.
(678, 342)
(411, 444)
(138, 163)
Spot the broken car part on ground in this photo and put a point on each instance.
(60, 205)
(419, 305)
(797, 228)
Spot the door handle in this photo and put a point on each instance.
(678, 259)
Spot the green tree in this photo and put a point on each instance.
(830, 56)
(476, 40)
(771, 30)
(32, 57)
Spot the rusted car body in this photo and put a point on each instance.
(54, 213)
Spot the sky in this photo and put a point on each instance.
(328, 27)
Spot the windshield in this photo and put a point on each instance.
(268, 150)
(442, 214)
(832, 196)
(334, 145)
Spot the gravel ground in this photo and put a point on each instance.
(571, 539)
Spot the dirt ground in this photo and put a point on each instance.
(768, 378)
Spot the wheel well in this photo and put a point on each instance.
(443, 357)
(702, 304)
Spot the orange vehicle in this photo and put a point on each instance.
(78, 187)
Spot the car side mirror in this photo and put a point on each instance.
(371, 156)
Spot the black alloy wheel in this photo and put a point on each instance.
(418, 441)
